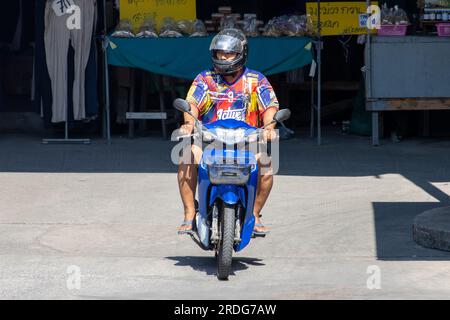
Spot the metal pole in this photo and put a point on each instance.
(106, 75)
(106, 83)
(368, 62)
(319, 78)
(313, 107)
(368, 85)
(66, 126)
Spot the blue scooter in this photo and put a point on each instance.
(227, 184)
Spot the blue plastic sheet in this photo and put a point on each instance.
(186, 57)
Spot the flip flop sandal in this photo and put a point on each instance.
(187, 223)
(260, 233)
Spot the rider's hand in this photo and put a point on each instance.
(187, 128)
(269, 134)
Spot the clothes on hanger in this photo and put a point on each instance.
(57, 38)
(42, 82)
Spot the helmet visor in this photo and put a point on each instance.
(226, 43)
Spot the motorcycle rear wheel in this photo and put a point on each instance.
(226, 241)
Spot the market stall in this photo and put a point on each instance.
(161, 54)
(407, 71)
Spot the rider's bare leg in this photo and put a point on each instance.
(187, 183)
(265, 183)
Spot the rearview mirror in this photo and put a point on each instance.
(181, 105)
(282, 115)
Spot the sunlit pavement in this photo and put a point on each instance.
(99, 222)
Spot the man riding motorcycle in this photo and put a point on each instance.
(228, 91)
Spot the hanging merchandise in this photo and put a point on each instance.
(57, 37)
(345, 46)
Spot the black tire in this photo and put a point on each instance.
(226, 241)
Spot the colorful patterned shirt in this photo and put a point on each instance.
(246, 99)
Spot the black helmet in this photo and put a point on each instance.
(229, 40)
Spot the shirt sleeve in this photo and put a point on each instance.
(266, 96)
(197, 94)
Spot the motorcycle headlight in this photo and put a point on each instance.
(230, 136)
(229, 174)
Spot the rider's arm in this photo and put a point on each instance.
(196, 97)
(188, 118)
(189, 124)
(268, 117)
(268, 106)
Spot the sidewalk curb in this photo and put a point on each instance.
(431, 229)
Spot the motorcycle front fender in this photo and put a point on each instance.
(230, 194)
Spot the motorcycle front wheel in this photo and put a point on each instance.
(224, 253)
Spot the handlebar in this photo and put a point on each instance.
(202, 133)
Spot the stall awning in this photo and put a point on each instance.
(187, 57)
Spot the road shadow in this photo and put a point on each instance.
(393, 223)
(208, 265)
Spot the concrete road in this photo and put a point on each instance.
(99, 222)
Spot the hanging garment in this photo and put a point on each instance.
(42, 82)
(9, 17)
(91, 84)
(15, 46)
(57, 38)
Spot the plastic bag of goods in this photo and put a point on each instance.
(249, 26)
(275, 27)
(295, 26)
(198, 29)
(185, 27)
(169, 29)
(310, 29)
(148, 29)
(124, 29)
(228, 21)
(400, 16)
(387, 16)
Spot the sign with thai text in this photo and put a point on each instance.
(340, 18)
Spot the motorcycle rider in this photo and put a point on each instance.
(228, 90)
